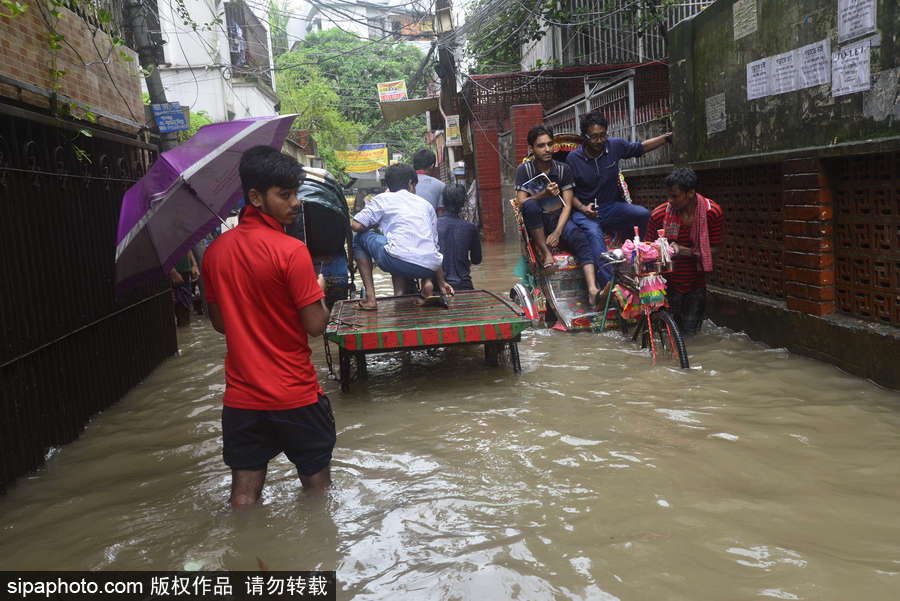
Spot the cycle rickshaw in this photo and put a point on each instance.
(635, 302)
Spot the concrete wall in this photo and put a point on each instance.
(199, 72)
(707, 61)
(184, 46)
(251, 101)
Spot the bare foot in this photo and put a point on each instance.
(593, 296)
(427, 288)
(366, 305)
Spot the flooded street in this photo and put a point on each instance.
(593, 475)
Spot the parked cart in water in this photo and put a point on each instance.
(401, 324)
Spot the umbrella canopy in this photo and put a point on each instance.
(185, 194)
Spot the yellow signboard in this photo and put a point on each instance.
(392, 90)
(368, 157)
(454, 136)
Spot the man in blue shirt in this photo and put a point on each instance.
(429, 188)
(595, 167)
(458, 240)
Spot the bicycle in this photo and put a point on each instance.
(649, 322)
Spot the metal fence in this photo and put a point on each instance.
(623, 33)
(626, 120)
(68, 348)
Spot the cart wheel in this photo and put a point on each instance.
(362, 371)
(514, 357)
(492, 352)
(344, 372)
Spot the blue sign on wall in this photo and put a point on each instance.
(169, 117)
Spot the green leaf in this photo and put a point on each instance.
(126, 57)
(86, 133)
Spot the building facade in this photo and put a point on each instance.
(222, 68)
(392, 20)
(622, 34)
(793, 127)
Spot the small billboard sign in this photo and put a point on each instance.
(389, 91)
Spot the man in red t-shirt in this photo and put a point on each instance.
(263, 294)
(694, 224)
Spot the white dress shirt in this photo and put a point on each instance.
(410, 225)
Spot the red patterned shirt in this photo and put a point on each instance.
(687, 275)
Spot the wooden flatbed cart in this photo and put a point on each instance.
(399, 324)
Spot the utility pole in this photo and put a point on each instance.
(447, 67)
(147, 40)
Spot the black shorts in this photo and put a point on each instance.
(253, 437)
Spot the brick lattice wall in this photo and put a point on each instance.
(866, 193)
(751, 198)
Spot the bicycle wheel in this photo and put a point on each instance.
(667, 338)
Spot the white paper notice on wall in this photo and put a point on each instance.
(850, 69)
(716, 119)
(758, 79)
(855, 18)
(783, 73)
(744, 18)
(814, 68)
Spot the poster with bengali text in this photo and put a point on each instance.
(758, 79)
(851, 69)
(855, 18)
(782, 73)
(744, 17)
(716, 119)
(814, 67)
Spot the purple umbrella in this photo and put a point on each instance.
(186, 193)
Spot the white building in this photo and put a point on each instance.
(224, 69)
(608, 39)
(411, 22)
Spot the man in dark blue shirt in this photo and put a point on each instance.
(458, 239)
(595, 167)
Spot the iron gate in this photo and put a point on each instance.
(69, 348)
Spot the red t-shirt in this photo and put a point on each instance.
(260, 278)
(686, 274)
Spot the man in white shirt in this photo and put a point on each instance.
(407, 246)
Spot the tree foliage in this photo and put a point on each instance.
(303, 90)
(331, 80)
(278, 21)
(504, 26)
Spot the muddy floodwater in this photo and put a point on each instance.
(757, 474)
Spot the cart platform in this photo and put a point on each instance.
(399, 324)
